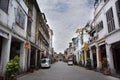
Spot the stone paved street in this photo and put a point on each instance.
(61, 71)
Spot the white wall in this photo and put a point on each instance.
(16, 28)
(5, 53)
(33, 26)
(9, 19)
(102, 17)
(10, 27)
(113, 36)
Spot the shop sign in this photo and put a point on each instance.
(86, 47)
(27, 45)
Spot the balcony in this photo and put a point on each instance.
(99, 5)
(93, 39)
(43, 34)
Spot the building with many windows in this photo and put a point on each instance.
(104, 40)
(23, 32)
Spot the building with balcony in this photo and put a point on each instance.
(76, 49)
(50, 43)
(33, 52)
(13, 26)
(104, 37)
(23, 32)
(42, 34)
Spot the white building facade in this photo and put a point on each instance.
(20, 24)
(13, 25)
(104, 39)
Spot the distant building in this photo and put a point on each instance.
(60, 56)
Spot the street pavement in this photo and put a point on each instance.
(61, 71)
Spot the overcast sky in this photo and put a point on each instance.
(64, 17)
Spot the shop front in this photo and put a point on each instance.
(94, 56)
(38, 59)
(103, 57)
(18, 49)
(15, 48)
(116, 56)
(5, 42)
(32, 57)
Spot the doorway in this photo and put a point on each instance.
(116, 56)
(32, 58)
(15, 48)
(94, 57)
(103, 56)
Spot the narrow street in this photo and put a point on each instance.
(61, 71)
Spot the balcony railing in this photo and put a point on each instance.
(93, 39)
(44, 34)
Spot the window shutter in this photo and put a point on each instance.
(118, 10)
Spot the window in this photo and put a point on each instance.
(4, 5)
(20, 18)
(29, 26)
(118, 10)
(100, 26)
(105, 0)
(110, 20)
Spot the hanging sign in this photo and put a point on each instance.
(86, 47)
(27, 45)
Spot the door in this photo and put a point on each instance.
(116, 56)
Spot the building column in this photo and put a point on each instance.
(77, 56)
(22, 57)
(110, 59)
(85, 57)
(28, 58)
(99, 63)
(5, 53)
(36, 56)
(91, 57)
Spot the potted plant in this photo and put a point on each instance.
(12, 68)
(80, 62)
(88, 64)
(106, 69)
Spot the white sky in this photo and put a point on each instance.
(64, 17)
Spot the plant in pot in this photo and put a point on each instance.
(80, 62)
(88, 64)
(106, 68)
(12, 67)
